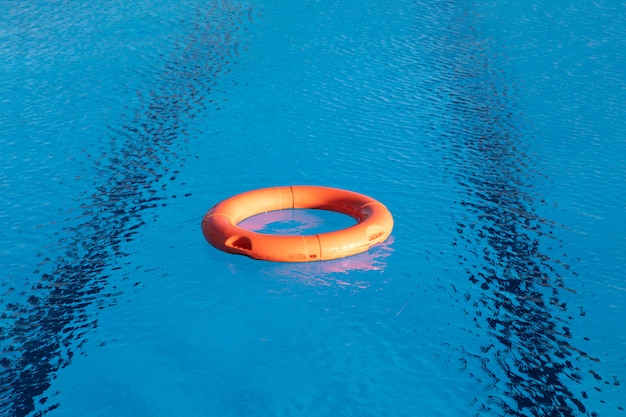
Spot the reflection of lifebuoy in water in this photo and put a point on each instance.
(374, 224)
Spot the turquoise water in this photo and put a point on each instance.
(493, 131)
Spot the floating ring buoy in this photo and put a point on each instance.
(374, 224)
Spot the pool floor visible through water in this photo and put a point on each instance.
(297, 222)
(491, 131)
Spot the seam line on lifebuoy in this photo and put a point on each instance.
(319, 246)
(220, 214)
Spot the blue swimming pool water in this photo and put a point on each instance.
(493, 131)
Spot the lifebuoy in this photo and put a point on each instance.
(374, 224)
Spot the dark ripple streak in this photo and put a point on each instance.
(52, 324)
(531, 360)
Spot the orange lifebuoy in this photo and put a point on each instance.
(374, 224)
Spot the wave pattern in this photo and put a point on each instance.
(51, 325)
(517, 297)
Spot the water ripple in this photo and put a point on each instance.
(520, 290)
(49, 327)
